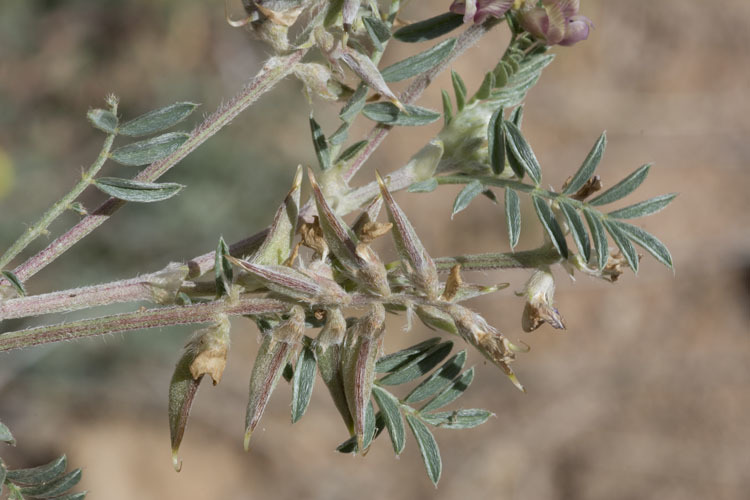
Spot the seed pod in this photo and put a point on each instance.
(421, 269)
(369, 74)
(296, 284)
(205, 353)
(328, 352)
(491, 343)
(276, 349)
(361, 349)
(358, 260)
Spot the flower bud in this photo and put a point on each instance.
(358, 260)
(328, 353)
(361, 350)
(492, 344)
(555, 22)
(477, 11)
(205, 353)
(539, 293)
(417, 263)
(296, 284)
(276, 349)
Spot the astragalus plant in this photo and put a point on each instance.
(311, 281)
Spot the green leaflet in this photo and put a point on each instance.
(577, 230)
(588, 167)
(320, 144)
(488, 83)
(646, 240)
(512, 91)
(158, 119)
(149, 150)
(598, 235)
(355, 104)
(522, 152)
(351, 151)
(450, 393)
(377, 30)
(103, 119)
(389, 114)
(447, 107)
(427, 447)
(277, 246)
(223, 273)
(135, 191)
(466, 195)
(459, 88)
(459, 419)
(623, 243)
(429, 28)
(419, 63)
(439, 380)
(512, 216)
(41, 474)
(622, 188)
(21, 290)
(394, 361)
(391, 411)
(418, 366)
(5, 435)
(644, 208)
(496, 141)
(516, 117)
(303, 382)
(374, 425)
(547, 218)
(54, 488)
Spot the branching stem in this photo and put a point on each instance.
(58, 208)
(273, 71)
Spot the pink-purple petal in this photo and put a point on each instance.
(577, 30)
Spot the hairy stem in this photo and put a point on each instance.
(58, 208)
(138, 320)
(273, 71)
(146, 288)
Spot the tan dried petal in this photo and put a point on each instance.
(453, 283)
(210, 347)
(312, 237)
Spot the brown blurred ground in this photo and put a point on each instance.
(645, 396)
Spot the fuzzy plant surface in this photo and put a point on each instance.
(311, 281)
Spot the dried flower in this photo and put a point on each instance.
(477, 11)
(539, 293)
(557, 22)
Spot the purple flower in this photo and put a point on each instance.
(478, 10)
(556, 21)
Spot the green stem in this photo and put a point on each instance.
(542, 256)
(273, 72)
(58, 208)
(516, 185)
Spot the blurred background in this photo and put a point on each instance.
(645, 396)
